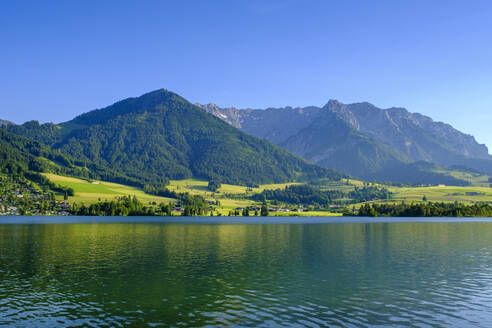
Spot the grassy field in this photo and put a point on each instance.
(225, 193)
(345, 185)
(470, 194)
(478, 191)
(229, 195)
(91, 192)
(310, 213)
(475, 179)
(199, 187)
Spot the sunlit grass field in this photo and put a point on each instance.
(479, 191)
(91, 192)
(475, 179)
(443, 194)
(229, 196)
(199, 187)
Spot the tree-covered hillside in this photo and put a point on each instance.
(161, 136)
(21, 156)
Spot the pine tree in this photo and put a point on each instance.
(264, 210)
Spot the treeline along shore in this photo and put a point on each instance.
(128, 206)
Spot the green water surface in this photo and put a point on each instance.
(424, 274)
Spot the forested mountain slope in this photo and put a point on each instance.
(23, 156)
(160, 136)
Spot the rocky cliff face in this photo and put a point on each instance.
(330, 141)
(230, 115)
(369, 135)
(273, 124)
(413, 134)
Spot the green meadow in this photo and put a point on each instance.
(88, 192)
(470, 194)
(229, 195)
(232, 196)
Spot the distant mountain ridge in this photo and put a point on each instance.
(5, 123)
(373, 141)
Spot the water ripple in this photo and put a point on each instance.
(160, 275)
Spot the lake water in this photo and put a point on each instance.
(137, 272)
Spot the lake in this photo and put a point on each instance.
(303, 272)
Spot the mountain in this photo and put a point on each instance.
(5, 123)
(320, 135)
(160, 136)
(273, 124)
(360, 138)
(413, 134)
(331, 142)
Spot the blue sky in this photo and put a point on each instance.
(62, 58)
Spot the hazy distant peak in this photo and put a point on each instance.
(212, 106)
(333, 102)
(230, 115)
(5, 123)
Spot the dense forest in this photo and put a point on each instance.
(426, 210)
(21, 156)
(187, 205)
(368, 193)
(298, 194)
(122, 206)
(312, 195)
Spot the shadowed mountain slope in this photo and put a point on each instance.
(360, 139)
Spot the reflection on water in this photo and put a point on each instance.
(155, 274)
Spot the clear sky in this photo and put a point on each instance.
(61, 58)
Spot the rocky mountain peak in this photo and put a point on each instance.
(343, 112)
(231, 115)
(5, 123)
(412, 136)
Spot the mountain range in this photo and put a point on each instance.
(148, 140)
(366, 141)
(160, 136)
